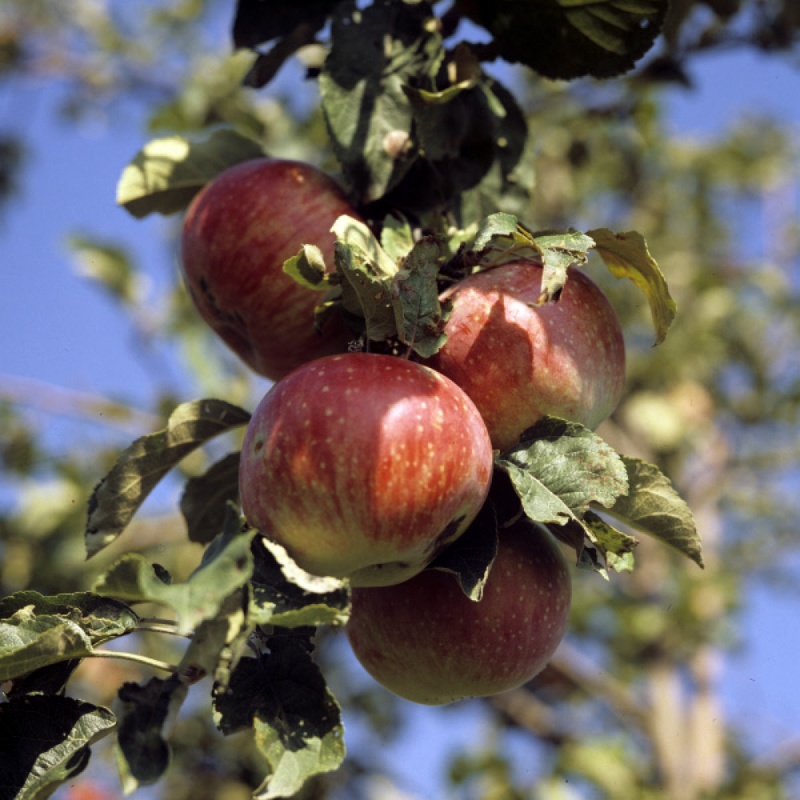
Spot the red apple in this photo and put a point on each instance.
(237, 233)
(426, 641)
(520, 361)
(364, 466)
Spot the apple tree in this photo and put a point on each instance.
(483, 363)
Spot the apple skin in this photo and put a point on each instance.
(520, 361)
(427, 642)
(364, 466)
(237, 232)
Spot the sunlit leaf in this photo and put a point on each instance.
(626, 255)
(560, 468)
(30, 641)
(100, 617)
(227, 565)
(654, 507)
(167, 173)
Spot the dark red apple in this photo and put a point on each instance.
(519, 361)
(426, 641)
(364, 466)
(237, 233)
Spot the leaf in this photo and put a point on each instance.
(296, 721)
(145, 710)
(397, 237)
(560, 468)
(147, 460)
(205, 498)
(560, 251)
(617, 546)
(417, 292)
(45, 742)
(626, 256)
(283, 594)
(470, 557)
(99, 617)
(375, 53)
(29, 642)
(308, 268)
(366, 274)
(654, 507)
(566, 39)
(226, 566)
(256, 22)
(496, 226)
(166, 173)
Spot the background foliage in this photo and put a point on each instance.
(632, 704)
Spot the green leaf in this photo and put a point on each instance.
(147, 460)
(205, 498)
(417, 293)
(29, 641)
(617, 547)
(560, 251)
(376, 52)
(308, 268)
(566, 39)
(99, 617)
(366, 274)
(654, 507)
(282, 697)
(45, 742)
(145, 710)
(496, 226)
(397, 237)
(626, 256)
(283, 594)
(227, 566)
(167, 173)
(559, 468)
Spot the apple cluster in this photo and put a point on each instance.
(367, 466)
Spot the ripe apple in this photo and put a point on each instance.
(520, 361)
(237, 232)
(364, 466)
(426, 641)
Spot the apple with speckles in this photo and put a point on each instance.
(520, 360)
(364, 466)
(427, 642)
(237, 233)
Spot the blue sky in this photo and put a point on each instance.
(58, 329)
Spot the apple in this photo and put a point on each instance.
(426, 641)
(519, 360)
(364, 466)
(237, 232)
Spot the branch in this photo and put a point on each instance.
(60, 401)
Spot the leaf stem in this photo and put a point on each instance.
(154, 628)
(139, 659)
